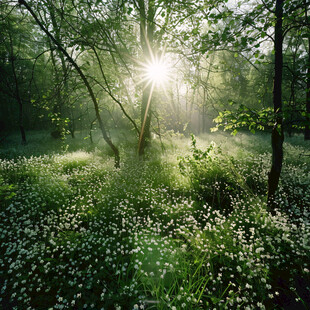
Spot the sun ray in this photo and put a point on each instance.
(156, 71)
(145, 115)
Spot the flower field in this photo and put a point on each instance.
(187, 228)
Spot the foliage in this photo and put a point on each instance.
(184, 229)
(242, 117)
(212, 174)
(7, 191)
(79, 233)
(199, 160)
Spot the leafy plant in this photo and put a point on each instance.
(7, 191)
(244, 117)
(210, 174)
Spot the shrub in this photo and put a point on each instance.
(211, 174)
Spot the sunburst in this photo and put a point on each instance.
(156, 72)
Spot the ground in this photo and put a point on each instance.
(186, 228)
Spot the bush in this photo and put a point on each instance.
(211, 174)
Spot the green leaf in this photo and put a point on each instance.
(195, 31)
(244, 41)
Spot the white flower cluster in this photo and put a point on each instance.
(78, 234)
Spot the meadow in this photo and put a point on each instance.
(186, 228)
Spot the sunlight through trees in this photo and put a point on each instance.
(154, 154)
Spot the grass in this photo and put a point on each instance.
(75, 233)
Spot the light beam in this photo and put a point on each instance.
(156, 72)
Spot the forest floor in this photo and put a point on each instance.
(186, 228)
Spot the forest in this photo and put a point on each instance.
(154, 154)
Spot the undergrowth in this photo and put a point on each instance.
(184, 229)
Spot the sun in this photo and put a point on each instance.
(156, 72)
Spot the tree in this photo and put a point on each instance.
(147, 12)
(61, 73)
(17, 93)
(84, 79)
(15, 68)
(307, 127)
(257, 23)
(277, 135)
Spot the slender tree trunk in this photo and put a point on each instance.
(20, 104)
(190, 110)
(72, 124)
(177, 108)
(277, 136)
(292, 101)
(57, 130)
(21, 123)
(205, 95)
(85, 81)
(61, 77)
(91, 130)
(17, 94)
(307, 127)
(147, 28)
(204, 129)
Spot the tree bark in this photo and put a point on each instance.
(146, 115)
(277, 136)
(85, 81)
(20, 104)
(147, 28)
(307, 127)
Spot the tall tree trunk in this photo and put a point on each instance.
(147, 28)
(146, 115)
(176, 107)
(60, 76)
(72, 124)
(205, 95)
(61, 97)
(85, 81)
(190, 110)
(20, 104)
(277, 136)
(204, 129)
(57, 130)
(307, 127)
(17, 95)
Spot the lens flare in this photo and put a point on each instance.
(156, 72)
